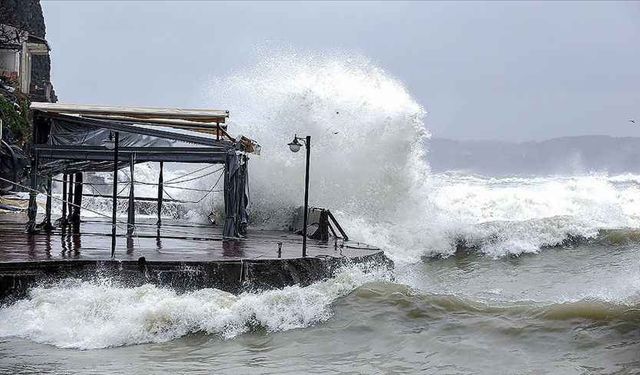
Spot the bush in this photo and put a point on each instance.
(15, 120)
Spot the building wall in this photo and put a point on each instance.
(27, 15)
(8, 60)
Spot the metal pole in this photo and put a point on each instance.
(160, 194)
(70, 198)
(115, 196)
(32, 211)
(131, 219)
(306, 198)
(47, 218)
(77, 201)
(63, 220)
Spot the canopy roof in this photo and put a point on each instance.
(73, 138)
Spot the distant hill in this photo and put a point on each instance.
(566, 155)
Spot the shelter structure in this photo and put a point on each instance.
(74, 139)
(71, 139)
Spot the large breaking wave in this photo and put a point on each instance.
(99, 313)
(370, 167)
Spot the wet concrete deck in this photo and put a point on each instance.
(173, 242)
(180, 255)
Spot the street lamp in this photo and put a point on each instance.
(112, 144)
(294, 146)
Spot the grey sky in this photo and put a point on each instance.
(513, 71)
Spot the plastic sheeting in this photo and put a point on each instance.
(236, 198)
(65, 133)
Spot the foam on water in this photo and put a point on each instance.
(521, 215)
(98, 314)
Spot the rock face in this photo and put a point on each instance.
(23, 14)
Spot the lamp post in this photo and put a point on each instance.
(295, 146)
(112, 144)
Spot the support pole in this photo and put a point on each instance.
(47, 218)
(160, 194)
(306, 198)
(77, 201)
(69, 199)
(115, 196)
(131, 217)
(63, 219)
(32, 211)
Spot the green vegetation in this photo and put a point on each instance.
(15, 120)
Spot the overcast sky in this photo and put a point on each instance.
(510, 71)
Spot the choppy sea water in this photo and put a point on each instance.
(565, 310)
(536, 274)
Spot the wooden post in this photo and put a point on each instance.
(160, 194)
(77, 201)
(131, 217)
(115, 196)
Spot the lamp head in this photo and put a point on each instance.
(294, 146)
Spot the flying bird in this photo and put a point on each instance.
(632, 121)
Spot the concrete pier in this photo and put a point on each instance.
(179, 255)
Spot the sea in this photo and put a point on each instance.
(501, 274)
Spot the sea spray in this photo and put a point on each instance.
(369, 166)
(98, 314)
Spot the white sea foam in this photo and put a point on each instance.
(88, 315)
(517, 215)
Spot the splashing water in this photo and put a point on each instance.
(369, 166)
(105, 314)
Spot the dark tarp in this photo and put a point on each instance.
(65, 133)
(13, 162)
(317, 223)
(235, 195)
(68, 133)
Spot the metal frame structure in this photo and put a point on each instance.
(203, 131)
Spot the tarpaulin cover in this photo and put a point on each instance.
(68, 133)
(235, 195)
(64, 133)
